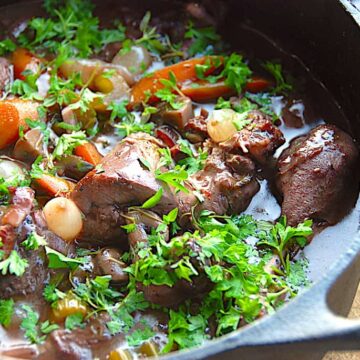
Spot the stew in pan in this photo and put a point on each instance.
(157, 187)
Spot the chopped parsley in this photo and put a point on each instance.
(74, 321)
(282, 87)
(35, 331)
(154, 200)
(14, 264)
(202, 40)
(33, 241)
(6, 311)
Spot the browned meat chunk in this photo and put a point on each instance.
(317, 176)
(121, 181)
(80, 344)
(196, 129)
(259, 139)
(227, 182)
(18, 222)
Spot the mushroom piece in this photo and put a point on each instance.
(136, 60)
(144, 221)
(89, 70)
(30, 146)
(109, 263)
(176, 117)
(73, 166)
(74, 117)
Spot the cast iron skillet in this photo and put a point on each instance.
(325, 35)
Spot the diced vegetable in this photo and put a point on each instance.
(183, 71)
(177, 117)
(257, 84)
(22, 60)
(30, 146)
(73, 167)
(67, 306)
(203, 91)
(148, 349)
(90, 69)
(89, 153)
(136, 60)
(74, 117)
(52, 185)
(115, 87)
(63, 218)
(10, 171)
(12, 117)
(221, 126)
(120, 354)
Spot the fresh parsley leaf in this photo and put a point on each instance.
(6, 46)
(170, 92)
(276, 71)
(74, 321)
(236, 72)
(30, 325)
(59, 261)
(154, 200)
(34, 241)
(52, 294)
(14, 264)
(67, 143)
(129, 228)
(203, 40)
(138, 336)
(130, 125)
(6, 311)
(47, 328)
(175, 178)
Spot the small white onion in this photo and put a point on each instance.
(10, 170)
(63, 218)
(220, 125)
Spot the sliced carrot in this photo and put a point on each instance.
(89, 153)
(9, 124)
(203, 91)
(183, 71)
(257, 84)
(13, 114)
(22, 60)
(53, 186)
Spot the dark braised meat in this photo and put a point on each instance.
(80, 343)
(317, 176)
(17, 224)
(121, 181)
(258, 140)
(227, 182)
(196, 130)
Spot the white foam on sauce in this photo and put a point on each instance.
(326, 247)
(263, 205)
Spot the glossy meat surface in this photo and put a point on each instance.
(317, 176)
(121, 181)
